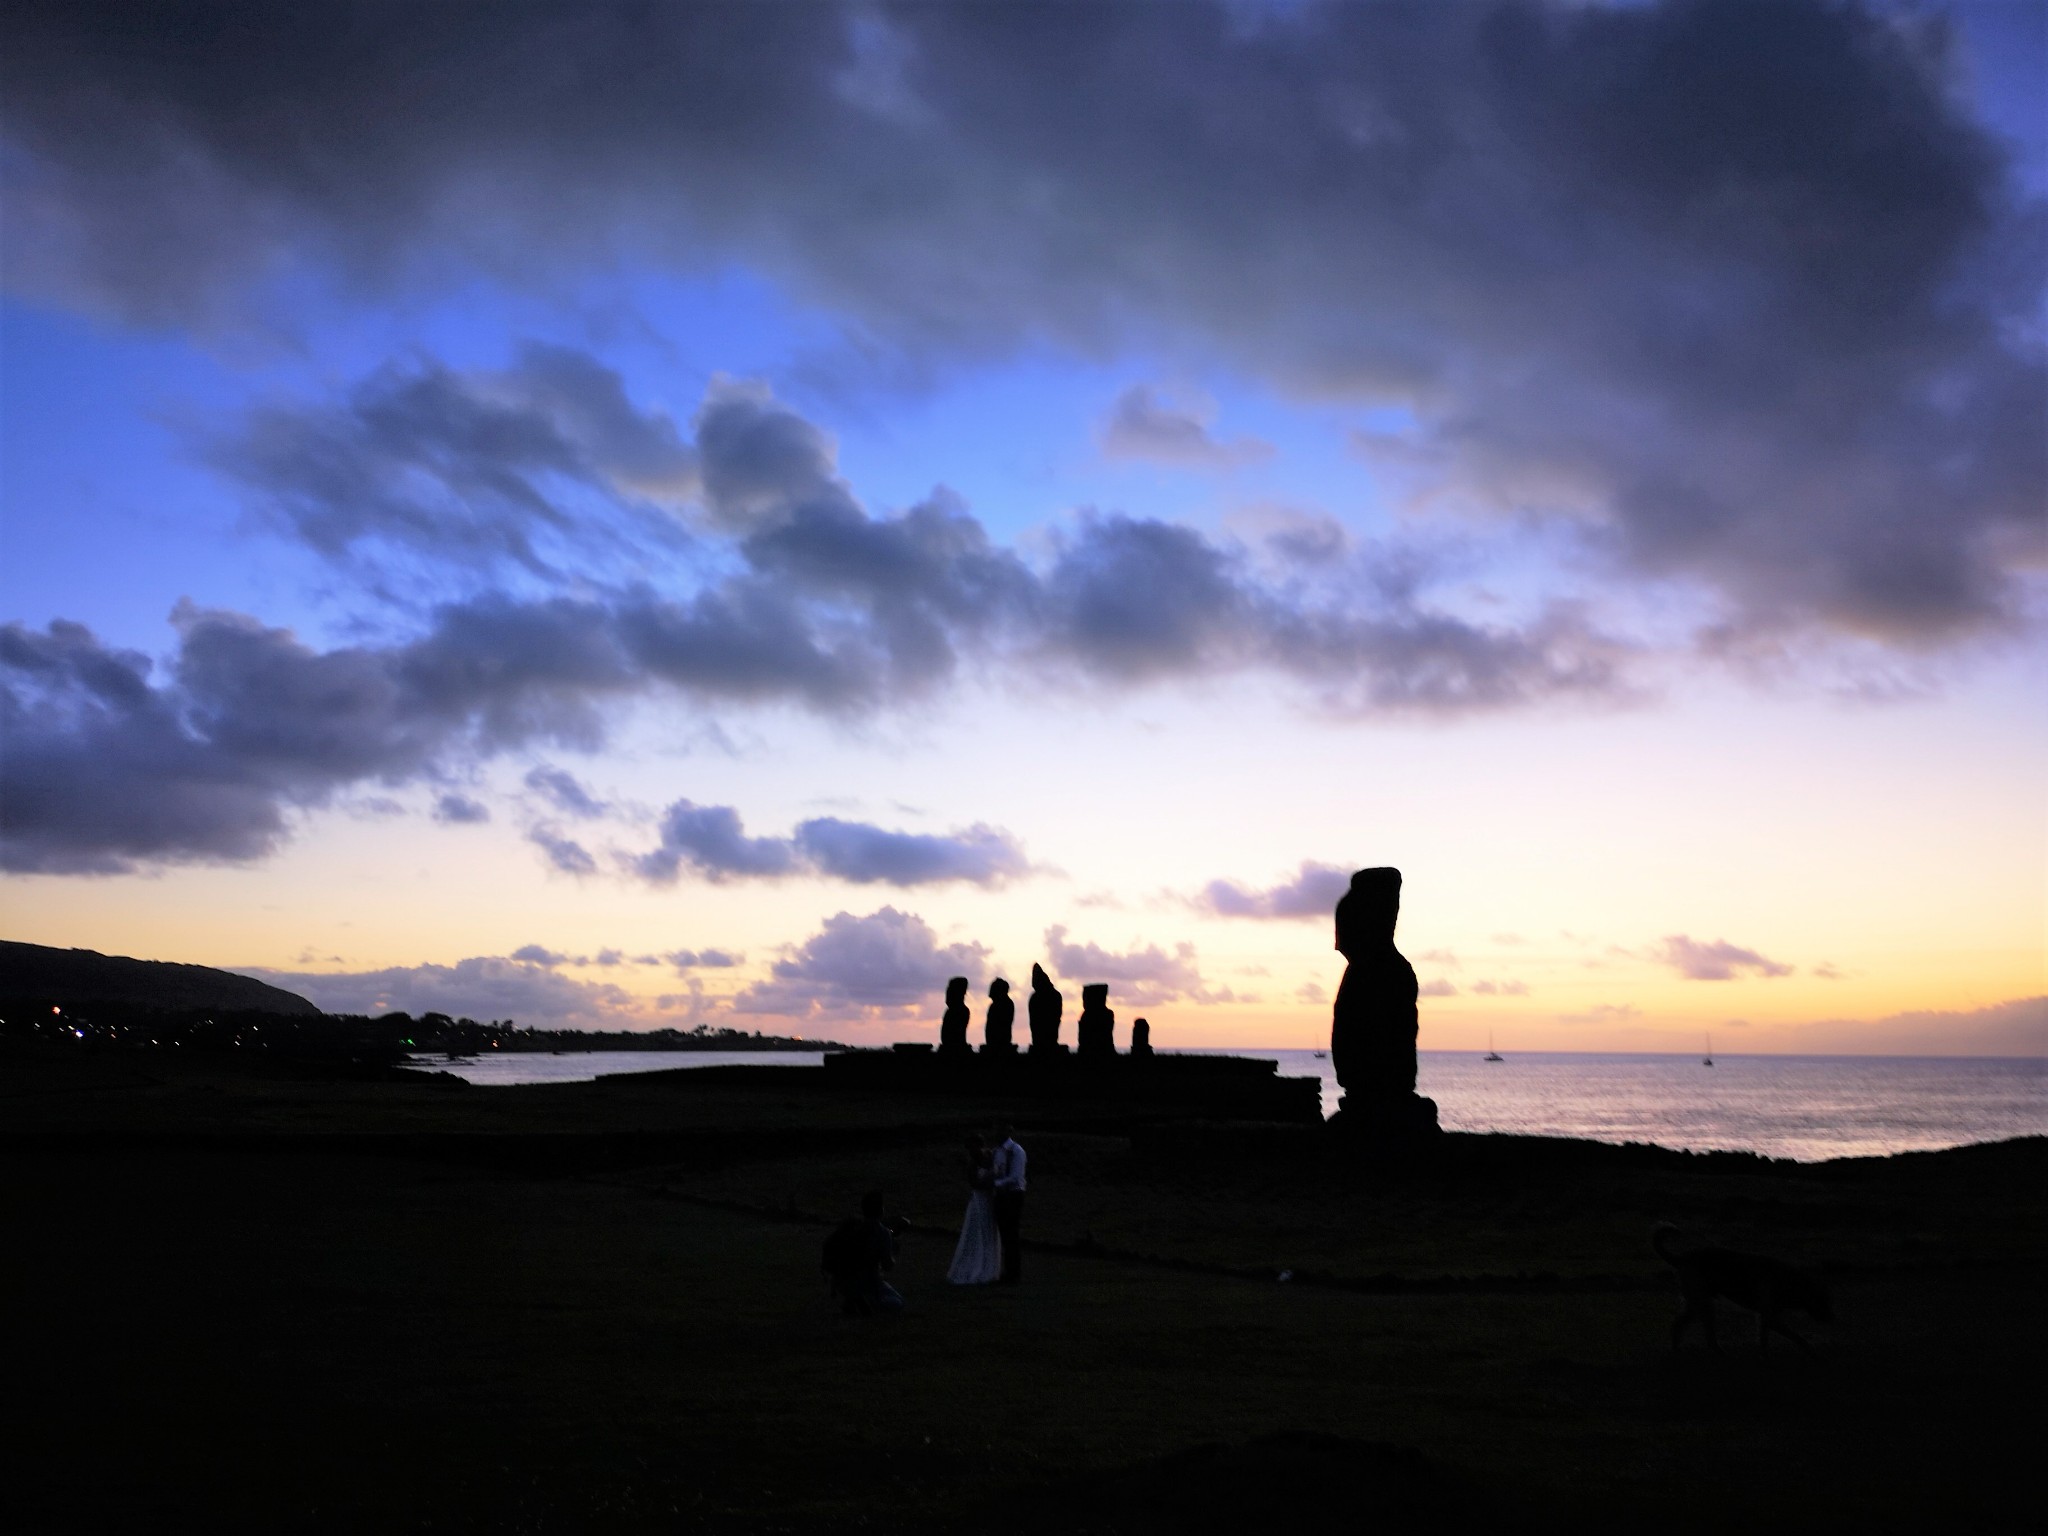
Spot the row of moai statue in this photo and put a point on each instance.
(1096, 1028)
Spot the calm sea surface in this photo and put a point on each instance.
(1807, 1107)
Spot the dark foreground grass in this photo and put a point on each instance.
(211, 1340)
(236, 1336)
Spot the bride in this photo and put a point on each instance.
(978, 1258)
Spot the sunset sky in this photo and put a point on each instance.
(734, 514)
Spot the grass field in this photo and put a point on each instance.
(258, 1334)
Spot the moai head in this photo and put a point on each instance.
(1095, 995)
(1366, 913)
(998, 988)
(1040, 982)
(956, 992)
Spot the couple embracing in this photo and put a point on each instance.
(989, 1250)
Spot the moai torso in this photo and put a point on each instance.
(1046, 1005)
(1002, 1016)
(953, 1026)
(1096, 1029)
(1373, 1024)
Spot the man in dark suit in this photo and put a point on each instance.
(1008, 1167)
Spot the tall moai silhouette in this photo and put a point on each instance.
(1044, 1007)
(1095, 1030)
(1141, 1037)
(1002, 1016)
(953, 1026)
(1374, 1023)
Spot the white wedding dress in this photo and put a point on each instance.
(978, 1257)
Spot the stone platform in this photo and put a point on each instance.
(1226, 1087)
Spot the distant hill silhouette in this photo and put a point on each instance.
(36, 973)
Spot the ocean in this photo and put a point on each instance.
(1804, 1107)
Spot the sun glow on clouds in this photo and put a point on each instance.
(1653, 576)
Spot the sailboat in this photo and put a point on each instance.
(1491, 1053)
(1708, 1059)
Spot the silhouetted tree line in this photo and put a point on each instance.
(385, 1037)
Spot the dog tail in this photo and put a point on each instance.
(1661, 1237)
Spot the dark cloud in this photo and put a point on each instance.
(483, 987)
(1313, 892)
(866, 855)
(1697, 960)
(1742, 285)
(1141, 425)
(564, 792)
(478, 468)
(823, 606)
(1139, 976)
(460, 809)
(711, 840)
(878, 966)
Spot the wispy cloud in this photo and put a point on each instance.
(1716, 961)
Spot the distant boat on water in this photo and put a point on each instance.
(1708, 1059)
(1491, 1053)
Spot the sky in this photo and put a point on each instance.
(730, 515)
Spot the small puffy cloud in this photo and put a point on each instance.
(538, 954)
(1313, 892)
(1437, 988)
(460, 809)
(1139, 976)
(565, 793)
(563, 853)
(1501, 988)
(483, 987)
(884, 965)
(1311, 992)
(1718, 961)
(685, 960)
(712, 841)
(1143, 425)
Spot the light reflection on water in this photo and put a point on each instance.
(1806, 1107)
(505, 1069)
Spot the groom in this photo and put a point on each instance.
(1008, 1168)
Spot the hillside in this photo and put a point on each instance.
(36, 973)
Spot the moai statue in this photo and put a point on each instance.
(1096, 1029)
(1141, 1037)
(1002, 1014)
(1045, 1005)
(1374, 1024)
(953, 1027)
